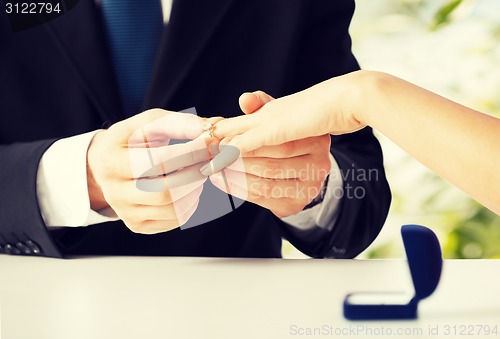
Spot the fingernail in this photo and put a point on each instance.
(205, 170)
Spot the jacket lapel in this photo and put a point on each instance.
(192, 24)
(80, 37)
(81, 40)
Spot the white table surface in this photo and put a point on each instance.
(130, 297)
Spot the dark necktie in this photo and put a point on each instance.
(134, 29)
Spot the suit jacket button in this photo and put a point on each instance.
(9, 249)
(33, 246)
(23, 248)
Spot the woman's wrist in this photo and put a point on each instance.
(371, 91)
(347, 101)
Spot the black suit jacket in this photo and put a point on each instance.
(56, 81)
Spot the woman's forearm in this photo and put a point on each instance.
(458, 143)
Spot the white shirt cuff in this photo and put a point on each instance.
(61, 184)
(324, 214)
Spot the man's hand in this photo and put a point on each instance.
(151, 185)
(282, 178)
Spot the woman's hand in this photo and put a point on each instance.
(326, 108)
(282, 178)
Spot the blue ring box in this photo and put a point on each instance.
(425, 261)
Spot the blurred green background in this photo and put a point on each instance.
(451, 47)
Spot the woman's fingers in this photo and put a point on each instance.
(251, 102)
(237, 125)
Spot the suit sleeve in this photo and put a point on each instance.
(22, 230)
(364, 203)
(324, 52)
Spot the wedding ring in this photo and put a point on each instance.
(209, 128)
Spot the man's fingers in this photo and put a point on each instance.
(251, 102)
(227, 156)
(149, 162)
(232, 188)
(175, 163)
(184, 177)
(131, 195)
(302, 167)
(152, 226)
(159, 226)
(267, 188)
(181, 155)
(281, 207)
(158, 124)
(173, 211)
(288, 149)
(176, 179)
